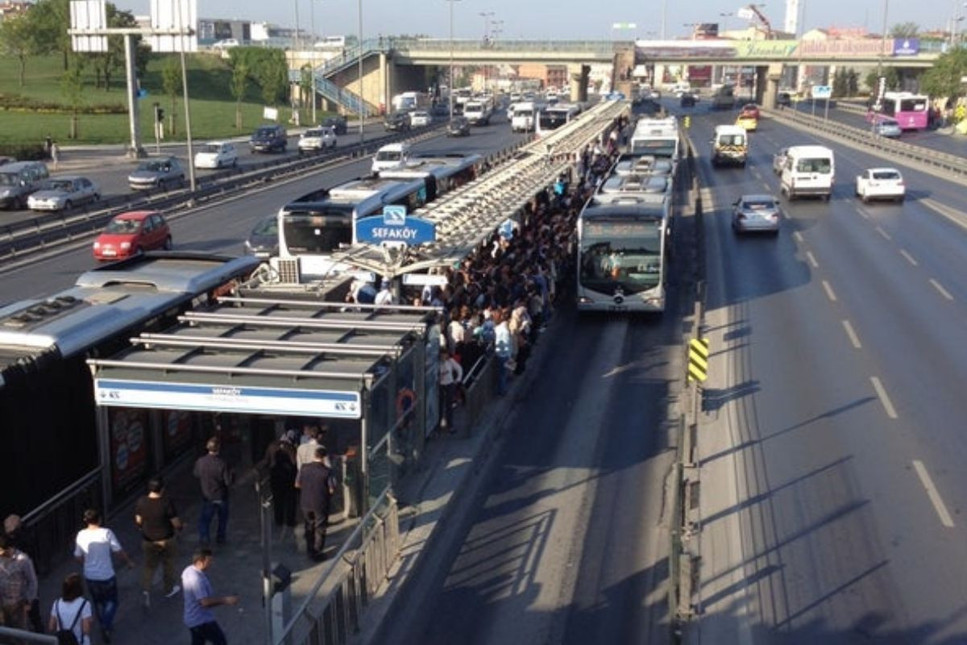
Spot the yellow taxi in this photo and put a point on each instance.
(747, 121)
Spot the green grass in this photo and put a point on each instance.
(212, 105)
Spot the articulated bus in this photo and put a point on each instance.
(314, 226)
(63, 453)
(909, 110)
(552, 117)
(622, 257)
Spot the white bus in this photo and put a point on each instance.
(656, 137)
(622, 257)
(440, 172)
(552, 117)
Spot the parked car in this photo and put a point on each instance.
(263, 241)
(880, 183)
(420, 119)
(397, 121)
(18, 180)
(756, 213)
(688, 100)
(132, 233)
(338, 123)
(226, 43)
(216, 154)
(269, 138)
(458, 126)
(63, 193)
(157, 173)
(886, 127)
(315, 139)
(779, 160)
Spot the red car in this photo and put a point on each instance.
(750, 110)
(132, 233)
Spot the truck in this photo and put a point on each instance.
(408, 101)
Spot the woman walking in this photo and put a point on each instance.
(71, 612)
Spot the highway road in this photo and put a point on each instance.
(831, 446)
(223, 227)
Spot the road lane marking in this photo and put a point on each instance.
(932, 493)
(797, 236)
(883, 233)
(884, 398)
(909, 257)
(863, 213)
(829, 291)
(812, 259)
(852, 335)
(939, 287)
(951, 214)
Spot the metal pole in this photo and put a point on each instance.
(312, 50)
(664, 7)
(450, 89)
(134, 118)
(184, 90)
(362, 101)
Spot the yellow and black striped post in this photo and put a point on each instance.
(697, 360)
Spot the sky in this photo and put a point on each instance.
(558, 19)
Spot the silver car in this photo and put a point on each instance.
(63, 193)
(755, 214)
(889, 128)
(157, 173)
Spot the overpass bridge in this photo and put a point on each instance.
(390, 65)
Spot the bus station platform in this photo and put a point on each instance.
(427, 497)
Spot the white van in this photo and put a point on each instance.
(523, 119)
(808, 170)
(730, 145)
(391, 156)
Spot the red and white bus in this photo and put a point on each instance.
(907, 108)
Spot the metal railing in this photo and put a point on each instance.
(22, 636)
(331, 615)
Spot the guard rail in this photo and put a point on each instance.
(19, 239)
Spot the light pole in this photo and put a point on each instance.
(312, 50)
(725, 20)
(359, 55)
(664, 7)
(486, 15)
(450, 82)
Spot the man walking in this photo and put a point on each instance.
(200, 598)
(94, 547)
(156, 515)
(316, 485)
(18, 584)
(215, 478)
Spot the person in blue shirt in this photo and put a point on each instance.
(200, 599)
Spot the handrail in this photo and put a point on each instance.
(42, 510)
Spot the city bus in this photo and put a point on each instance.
(64, 453)
(622, 257)
(908, 109)
(552, 117)
(656, 137)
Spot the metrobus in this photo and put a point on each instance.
(909, 109)
(552, 117)
(441, 172)
(622, 257)
(66, 454)
(656, 137)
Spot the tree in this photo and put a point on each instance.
(72, 87)
(171, 83)
(852, 82)
(106, 64)
(840, 86)
(17, 40)
(239, 88)
(892, 79)
(904, 30)
(943, 79)
(50, 20)
(273, 76)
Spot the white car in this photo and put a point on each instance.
(226, 43)
(216, 154)
(880, 183)
(317, 139)
(420, 118)
(390, 157)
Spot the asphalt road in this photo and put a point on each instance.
(223, 227)
(832, 443)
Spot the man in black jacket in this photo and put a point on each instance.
(316, 485)
(215, 478)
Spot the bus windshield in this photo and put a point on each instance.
(621, 254)
(655, 147)
(322, 231)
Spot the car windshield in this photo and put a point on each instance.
(211, 148)
(821, 165)
(886, 174)
(64, 185)
(123, 226)
(154, 166)
(315, 133)
(264, 132)
(268, 226)
(388, 155)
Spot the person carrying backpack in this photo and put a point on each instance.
(71, 616)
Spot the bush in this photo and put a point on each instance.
(18, 103)
(24, 152)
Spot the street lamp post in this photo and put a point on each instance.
(312, 51)
(450, 82)
(486, 15)
(359, 55)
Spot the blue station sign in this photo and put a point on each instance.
(394, 225)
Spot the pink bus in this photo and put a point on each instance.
(907, 108)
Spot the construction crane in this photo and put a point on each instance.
(752, 13)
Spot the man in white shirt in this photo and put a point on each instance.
(94, 547)
(451, 376)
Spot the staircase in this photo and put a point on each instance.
(346, 99)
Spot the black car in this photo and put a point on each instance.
(784, 99)
(263, 241)
(458, 126)
(688, 100)
(397, 121)
(337, 123)
(269, 138)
